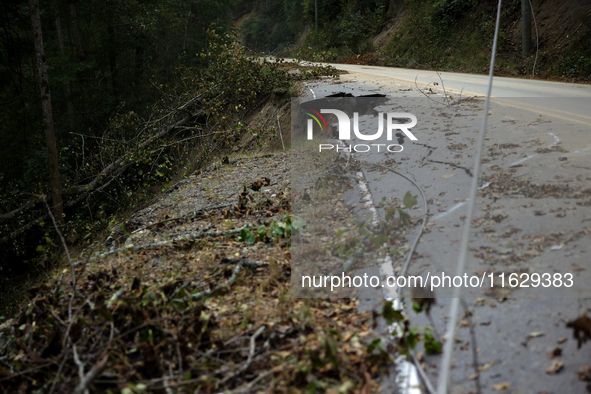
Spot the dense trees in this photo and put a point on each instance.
(273, 25)
(102, 58)
(139, 91)
(100, 55)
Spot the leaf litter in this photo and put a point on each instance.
(181, 313)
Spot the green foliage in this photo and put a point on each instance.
(273, 25)
(456, 35)
(404, 217)
(576, 62)
(407, 338)
(317, 55)
(247, 236)
(432, 346)
(106, 94)
(274, 231)
(440, 24)
(448, 12)
(409, 200)
(344, 29)
(228, 65)
(390, 314)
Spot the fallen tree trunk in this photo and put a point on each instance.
(114, 165)
(100, 181)
(100, 177)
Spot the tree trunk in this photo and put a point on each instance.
(67, 87)
(112, 52)
(76, 37)
(54, 173)
(316, 15)
(75, 30)
(112, 58)
(525, 27)
(139, 64)
(394, 7)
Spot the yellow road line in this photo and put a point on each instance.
(548, 110)
(550, 114)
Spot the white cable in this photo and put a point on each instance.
(533, 70)
(445, 367)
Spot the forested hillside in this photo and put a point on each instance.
(446, 35)
(281, 26)
(136, 94)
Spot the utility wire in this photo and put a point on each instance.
(445, 367)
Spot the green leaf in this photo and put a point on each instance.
(390, 212)
(390, 314)
(394, 251)
(373, 345)
(417, 307)
(404, 217)
(247, 236)
(346, 387)
(379, 240)
(431, 345)
(297, 223)
(279, 232)
(411, 340)
(410, 200)
(315, 386)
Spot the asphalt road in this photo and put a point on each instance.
(532, 217)
(566, 101)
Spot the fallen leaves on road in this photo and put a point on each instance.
(585, 373)
(557, 352)
(503, 183)
(501, 386)
(581, 329)
(556, 367)
(486, 366)
(556, 148)
(577, 268)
